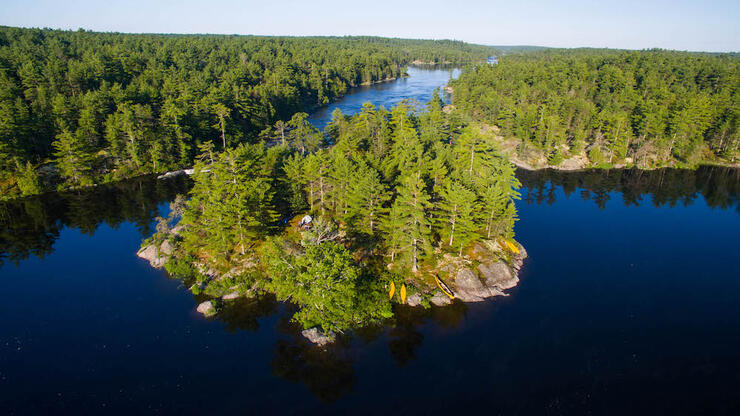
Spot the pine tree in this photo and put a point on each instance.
(407, 153)
(497, 192)
(341, 172)
(366, 199)
(222, 113)
(316, 173)
(206, 155)
(458, 221)
(72, 159)
(409, 223)
(473, 151)
(303, 135)
(294, 175)
(28, 180)
(231, 204)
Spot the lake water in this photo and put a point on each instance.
(629, 303)
(418, 86)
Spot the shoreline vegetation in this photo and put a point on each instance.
(592, 108)
(407, 208)
(81, 108)
(534, 161)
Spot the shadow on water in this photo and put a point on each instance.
(719, 186)
(328, 372)
(30, 226)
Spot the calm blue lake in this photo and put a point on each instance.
(418, 86)
(628, 304)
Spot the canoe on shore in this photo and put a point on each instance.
(445, 289)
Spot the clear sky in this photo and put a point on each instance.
(710, 25)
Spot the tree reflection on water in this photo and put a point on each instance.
(719, 186)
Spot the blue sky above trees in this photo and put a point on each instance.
(673, 24)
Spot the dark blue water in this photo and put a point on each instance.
(628, 304)
(417, 87)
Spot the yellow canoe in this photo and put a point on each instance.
(514, 249)
(403, 293)
(392, 291)
(444, 288)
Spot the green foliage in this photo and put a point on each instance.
(72, 159)
(240, 284)
(327, 284)
(596, 156)
(393, 188)
(367, 198)
(656, 107)
(28, 180)
(143, 103)
(231, 204)
(181, 268)
(457, 219)
(408, 223)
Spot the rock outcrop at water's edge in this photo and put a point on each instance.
(156, 255)
(318, 337)
(485, 270)
(206, 308)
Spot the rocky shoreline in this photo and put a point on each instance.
(485, 271)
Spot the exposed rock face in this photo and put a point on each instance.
(518, 260)
(414, 300)
(316, 336)
(498, 276)
(151, 254)
(440, 299)
(491, 277)
(469, 287)
(207, 308)
(166, 248)
(157, 256)
(574, 163)
(230, 296)
(171, 174)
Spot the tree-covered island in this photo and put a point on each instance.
(406, 207)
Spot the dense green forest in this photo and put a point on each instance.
(78, 108)
(648, 108)
(394, 192)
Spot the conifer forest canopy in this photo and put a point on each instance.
(105, 106)
(654, 106)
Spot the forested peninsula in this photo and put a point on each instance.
(405, 207)
(80, 108)
(580, 108)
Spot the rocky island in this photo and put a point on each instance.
(402, 208)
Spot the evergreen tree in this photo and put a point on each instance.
(303, 135)
(366, 200)
(28, 179)
(340, 177)
(231, 204)
(458, 222)
(473, 151)
(316, 174)
(294, 175)
(72, 159)
(222, 113)
(409, 225)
